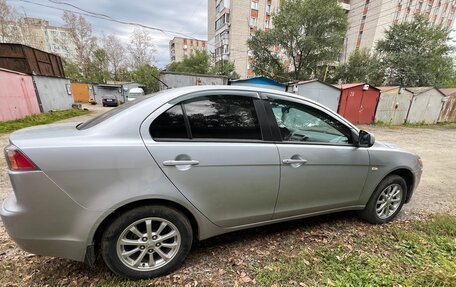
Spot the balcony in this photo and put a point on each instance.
(344, 5)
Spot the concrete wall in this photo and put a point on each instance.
(393, 107)
(321, 93)
(17, 96)
(54, 93)
(176, 80)
(425, 107)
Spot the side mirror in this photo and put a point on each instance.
(365, 139)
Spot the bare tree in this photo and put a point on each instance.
(115, 53)
(85, 42)
(141, 48)
(9, 24)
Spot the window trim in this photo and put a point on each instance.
(275, 126)
(257, 103)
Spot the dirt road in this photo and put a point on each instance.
(437, 147)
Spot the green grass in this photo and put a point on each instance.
(446, 125)
(420, 254)
(41, 119)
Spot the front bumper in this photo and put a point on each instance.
(417, 172)
(44, 220)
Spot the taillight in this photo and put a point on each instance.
(17, 160)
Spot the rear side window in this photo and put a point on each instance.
(169, 125)
(223, 117)
(209, 117)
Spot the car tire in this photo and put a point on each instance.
(389, 194)
(144, 230)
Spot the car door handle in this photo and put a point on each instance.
(292, 161)
(180, 162)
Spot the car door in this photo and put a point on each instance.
(212, 148)
(321, 169)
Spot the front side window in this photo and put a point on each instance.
(300, 123)
(222, 117)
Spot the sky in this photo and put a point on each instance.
(187, 17)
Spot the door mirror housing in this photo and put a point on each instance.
(365, 139)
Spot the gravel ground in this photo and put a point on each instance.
(436, 194)
(437, 147)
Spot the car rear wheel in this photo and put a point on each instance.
(386, 201)
(147, 242)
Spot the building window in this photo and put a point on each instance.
(225, 18)
(253, 22)
(254, 5)
(268, 8)
(267, 24)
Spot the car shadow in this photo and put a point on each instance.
(56, 271)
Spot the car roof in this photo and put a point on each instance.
(170, 94)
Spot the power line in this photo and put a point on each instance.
(108, 18)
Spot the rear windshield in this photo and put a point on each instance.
(101, 118)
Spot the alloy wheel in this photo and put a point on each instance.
(389, 201)
(148, 244)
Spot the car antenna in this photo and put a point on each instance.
(158, 79)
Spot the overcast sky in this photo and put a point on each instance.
(185, 16)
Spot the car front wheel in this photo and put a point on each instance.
(147, 242)
(386, 201)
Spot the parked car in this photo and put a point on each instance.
(135, 93)
(141, 182)
(109, 101)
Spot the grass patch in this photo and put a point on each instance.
(445, 125)
(417, 254)
(40, 119)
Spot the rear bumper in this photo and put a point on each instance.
(43, 220)
(113, 104)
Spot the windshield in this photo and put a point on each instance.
(101, 118)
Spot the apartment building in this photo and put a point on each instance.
(38, 34)
(368, 19)
(231, 23)
(52, 39)
(180, 47)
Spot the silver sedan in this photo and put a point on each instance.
(141, 182)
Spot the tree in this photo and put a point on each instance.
(267, 61)
(72, 71)
(115, 54)
(98, 71)
(362, 66)
(225, 68)
(6, 17)
(141, 48)
(147, 75)
(307, 34)
(85, 43)
(198, 63)
(13, 28)
(416, 53)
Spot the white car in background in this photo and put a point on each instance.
(135, 93)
